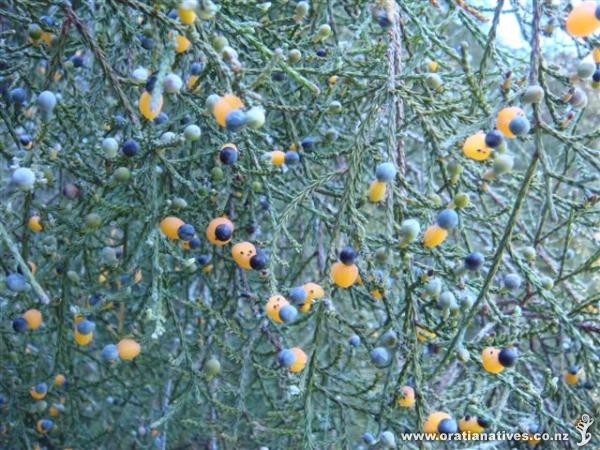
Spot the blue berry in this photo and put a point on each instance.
(148, 43)
(41, 388)
(259, 261)
(194, 243)
(383, 20)
(286, 358)
(25, 139)
(130, 148)
(354, 341)
(18, 96)
(186, 232)
(288, 313)
(150, 83)
(519, 126)
(16, 282)
(85, 326)
(512, 281)
(76, 60)
(380, 356)
(228, 155)
(596, 76)
(368, 438)
(297, 295)
(321, 52)
(19, 324)
(203, 260)
(172, 14)
(385, 172)
(347, 255)
(196, 68)
(474, 261)
(223, 232)
(447, 426)
(47, 21)
(161, 118)
(308, 142)
(447, 219)
(493, 138)
(508, 356)
(235, 120)
(110, 352)
(292, 158)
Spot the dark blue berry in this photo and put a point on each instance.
(203, 260)
(292, 158)
(161, 118)
(196, 68)
(259, 261)
(186, 232)
(278, 76)
(148, 43)
(130, 147)
(347, 255)
(76, 60)
(18, 96)
(228, 155)
(508, 357)
(19, 324)
(235, 120)
(194, 243)
(493, 138)
(223, 232)
(474, 261)
(150, 83)
(308, 142)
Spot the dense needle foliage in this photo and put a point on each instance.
(338, 86)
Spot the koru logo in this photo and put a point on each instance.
(582, 426)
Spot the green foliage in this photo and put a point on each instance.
(346, 85)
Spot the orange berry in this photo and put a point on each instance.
(170, 225)
(407, 397)
(34, 224)
(150, 109)
(490, 360)
(377, 191)
(181, 43)
(434, 236)
(301, 360)
(224, 105)
(128, 349)
(582, 20)
(475, 148)
(33, 318)
(242, 252)
(274, 305)
(343, 275)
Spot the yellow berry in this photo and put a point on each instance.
(150, 109)
(490, 360)
(242, 253)
(277, 157)
(377, 191)
(300, 362)
(343, 275)
(407, 397)
(582, 20)
(434, 236)
(187, 16)
(181, 43)
(34, 224)
(475, 148)
(170, 225)
(33, 317)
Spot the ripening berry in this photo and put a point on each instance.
(150, 107)
(313, 291)
(128, 349)
(192, 132)
(409, 230)
(46, 101)
(228, 154)
(406, 398)
(300, 362)
(212, 367)
(181, 43)
(224, 105)
(533, 94)
(572, 375)
(60, 379)
(274, 306)
(255, 117)
(344, 275)
(504, 118)
(33, 317)
(578, 98)
(242, 253)
(547, 282)
(220, 230)
(440, 422)
(23, 178)
(377, 191)
(583, 19)
(169, 226)
(476, 148)
(39, 391)
(380, 357)
(84, 332)
(34, 224)
(447, 219)
(434, 236)
(44, 426)
(472, 424)
(495, 360)
(503, 164)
